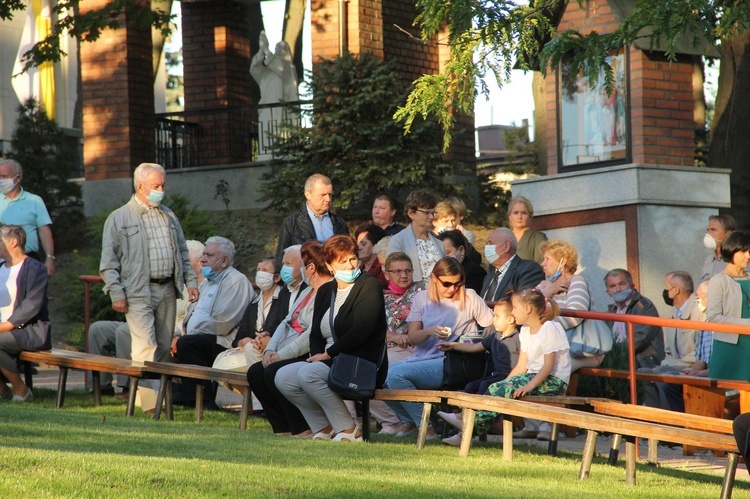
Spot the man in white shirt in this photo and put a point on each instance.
(211, 323)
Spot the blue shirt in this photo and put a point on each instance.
(28, 211)
(322, 224)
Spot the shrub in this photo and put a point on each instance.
(354, 140)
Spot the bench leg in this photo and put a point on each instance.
(588, 454)
(630, 458)
(28, 374)
(130, 409)
(467, 431)
(168, 402)
(552, 446)
(728, 483)
(247, 400)
(614, 451)
(62, 380)
(96, 383)
(424, 425)
(163, 385)
(366, 420)
(199, 402)
(507, 437)
(653, 451)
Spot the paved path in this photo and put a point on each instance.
(670, 457)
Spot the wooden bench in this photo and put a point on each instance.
(426, 397)
(67, 359)
(563, 401)
(671, 418)
(594, 424)
(702, 396)
(167, 371)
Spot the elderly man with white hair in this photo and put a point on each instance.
(211, 323)
(145, 265)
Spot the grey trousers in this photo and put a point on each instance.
(151, 324)
(110, 338)
(9, 350)
(305, 384)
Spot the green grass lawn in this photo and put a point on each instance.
(84, 451)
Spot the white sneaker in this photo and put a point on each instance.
(26, 398)
(455, 440)
(452, 419)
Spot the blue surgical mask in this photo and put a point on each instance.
(348, 276)
(209, 273)
(286, 274)
(305, 279)
(556, 275)
(490, 254)
(622, 295)
(155, 197)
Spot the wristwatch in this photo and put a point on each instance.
(50, 256)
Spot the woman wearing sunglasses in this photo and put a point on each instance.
(443, 312)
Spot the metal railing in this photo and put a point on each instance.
(223, 135)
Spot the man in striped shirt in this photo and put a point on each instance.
(145, 264)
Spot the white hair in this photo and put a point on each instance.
(294, 247)
(381, 249)
(195, 249)
(225, 246)
(15, 164)
(143, 170)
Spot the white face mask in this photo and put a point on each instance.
(7, 184)
(709, 242)
(264, 280)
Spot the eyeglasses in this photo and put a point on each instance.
(456, 285)
(429, 213)
(401, 272)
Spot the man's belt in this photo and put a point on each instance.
(162, 281)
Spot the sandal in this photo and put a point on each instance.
(354, 436)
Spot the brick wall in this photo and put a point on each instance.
(216, 54)
(118, 100)
(661, 107)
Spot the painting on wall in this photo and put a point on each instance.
(593, 124)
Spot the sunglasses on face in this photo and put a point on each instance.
(456, 285)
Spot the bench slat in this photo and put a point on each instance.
(193, 371)
(596, 422)
(642, 413)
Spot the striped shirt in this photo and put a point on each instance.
(576, 298)
(160, 245)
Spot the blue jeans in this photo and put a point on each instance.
(421, 375)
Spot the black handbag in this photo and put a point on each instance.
(461, 368)
(352, 377)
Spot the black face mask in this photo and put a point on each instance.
(669, 301)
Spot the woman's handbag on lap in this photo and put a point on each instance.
(352, 377)
(590, 338)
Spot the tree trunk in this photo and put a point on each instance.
(699, 111)
(294, 18)
(729, 145)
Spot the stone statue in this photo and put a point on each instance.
(274, 72)
(277, 79)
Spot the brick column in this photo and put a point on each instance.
(118, 100)
(216, 57)
(661, 97)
